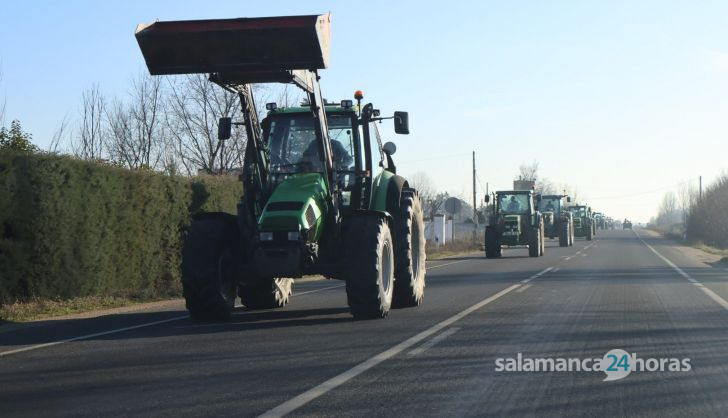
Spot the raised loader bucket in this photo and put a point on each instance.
(245, 45)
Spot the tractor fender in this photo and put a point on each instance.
(394, 193)
(372, 213)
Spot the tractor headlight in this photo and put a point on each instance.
(293, 236)
(266, 236)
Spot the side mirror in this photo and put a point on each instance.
(538, 197)
(401, 123)
(568, 199)
(389, 148)
(224, 128)
(487, 198)
(367, 112)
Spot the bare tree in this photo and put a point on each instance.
(422, 182)
(193, 108)
(90, 138)
(136, 130)
(58, 136)
(528, 172)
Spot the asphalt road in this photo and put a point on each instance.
(624, 290)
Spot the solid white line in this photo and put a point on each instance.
(556, 269)
(429, 344)
(318, 290)
(446, 264)
(133, 327)
(98, 334)
(716, 298)
(336, 381)
(542, 272)
(524, 288)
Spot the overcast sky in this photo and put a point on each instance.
(622, 100)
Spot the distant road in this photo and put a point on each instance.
(624, 290)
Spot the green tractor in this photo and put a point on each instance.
(584, 224)
(515, 221)
(317, 201)
(558, 221)
(601, 220)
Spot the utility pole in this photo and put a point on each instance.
(475, 206)
(700, 187)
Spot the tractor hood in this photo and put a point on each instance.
(297, 204)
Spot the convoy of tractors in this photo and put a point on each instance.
(322, 195)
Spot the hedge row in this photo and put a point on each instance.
(708, 217)
(72, 228)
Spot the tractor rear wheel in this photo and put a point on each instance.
(492, 244)
(267, 294)
(409, 255)
(589, 232)
(542, 249)
(208, 284)
(534, 247)
(564, 234)
(370, 269)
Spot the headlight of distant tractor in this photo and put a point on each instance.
(266, 236)
(293, 236)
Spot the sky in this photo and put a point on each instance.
(621, 101)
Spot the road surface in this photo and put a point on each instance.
(624, 290)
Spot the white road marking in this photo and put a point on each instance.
(446, 264)
(719, 300)
(435, 340)
(555, 269)
(133, 327)
(318, 290)
(98, 334)
(292, 404)
(524, 288)
(567, 259)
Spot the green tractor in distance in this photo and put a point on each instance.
(584, 225)
(558, 221)
(316, 200)
(601, 220)
(515, 221)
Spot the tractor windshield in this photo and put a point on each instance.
(513, 203)
(294, 148)
(549, 204)
(579, 211)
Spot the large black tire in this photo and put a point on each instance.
(542, 248)
(564, 235)
(208, 284)
(492, 244)
(571, 234)
(370, 267)
(534, 246)
(409, 254)
(589, 232)
(267, 294)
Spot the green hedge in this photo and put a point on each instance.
(73, 228)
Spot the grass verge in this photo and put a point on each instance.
(47, 308)
(451, 249)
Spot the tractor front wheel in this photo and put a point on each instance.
(492, 244)
(267, 294)
(370, 269)
(208, 282)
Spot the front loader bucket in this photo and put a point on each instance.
(245, 45)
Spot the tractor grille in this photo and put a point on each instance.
(310, 216)
(577, 223)
(281, 206)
